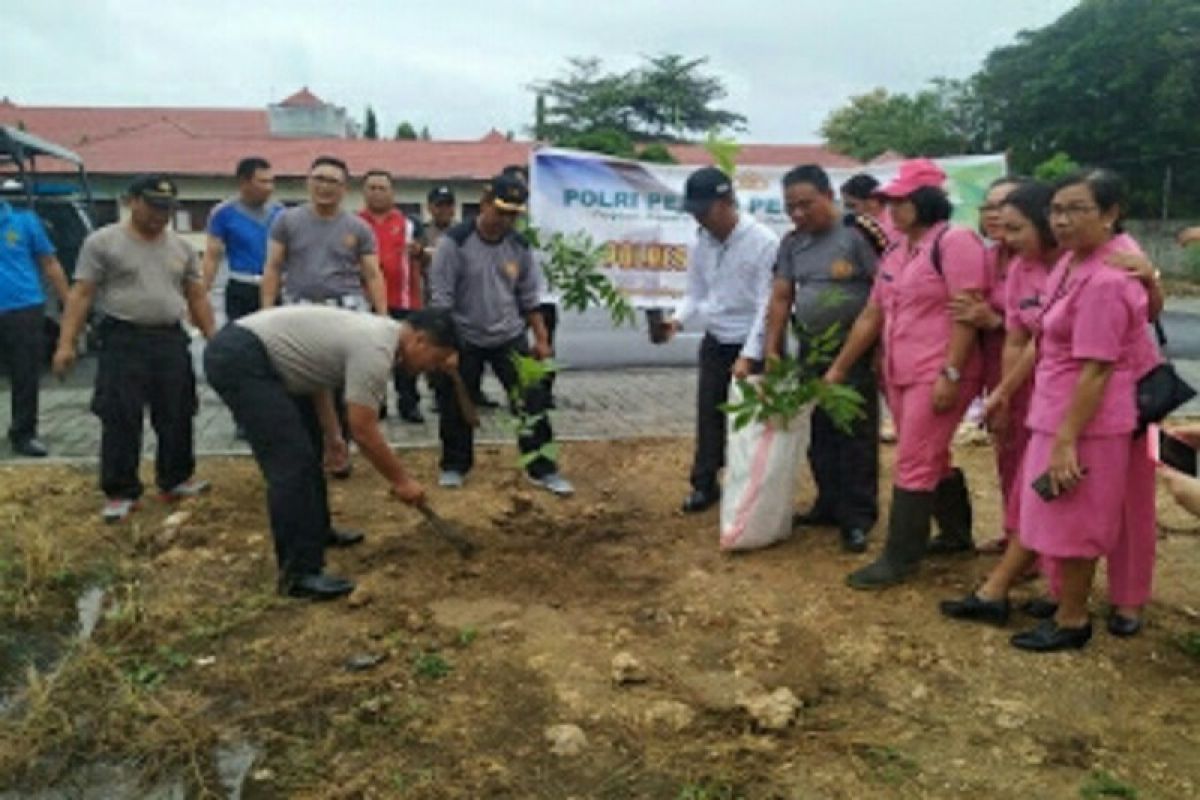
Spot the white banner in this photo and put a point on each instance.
(636, 209)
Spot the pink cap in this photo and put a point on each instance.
(916, 173)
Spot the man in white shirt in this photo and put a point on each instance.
(728, 282)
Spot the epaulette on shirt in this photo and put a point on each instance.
(870, 229)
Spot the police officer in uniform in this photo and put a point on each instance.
(484, 273)
(823, 274)
(144, 279)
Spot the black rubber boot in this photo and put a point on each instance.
(908, 536)
(952, 510)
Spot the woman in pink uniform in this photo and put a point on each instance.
(1093, 347)
(1026, 224)
(932, 364)
(987, 315)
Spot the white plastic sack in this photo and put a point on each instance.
(761, 462)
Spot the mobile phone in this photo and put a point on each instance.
(1045, 489)
(1172, 452)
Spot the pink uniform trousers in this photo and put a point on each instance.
(923, 438)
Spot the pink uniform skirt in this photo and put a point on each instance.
(1087, 521)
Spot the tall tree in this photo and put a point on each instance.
(1111, 82)
(920, 124)
(370, 125)
(405, 130)
(425, 134)
(667, 98)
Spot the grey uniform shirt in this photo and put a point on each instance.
(489, 287)
(833, 272)
(137, 281)
(318, 347)
(321, 260)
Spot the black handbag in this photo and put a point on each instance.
(1160, 391)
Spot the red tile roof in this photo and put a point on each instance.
(303, 99)
(210, 141)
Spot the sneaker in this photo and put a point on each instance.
(192, 487)
(117, 509)
(451, 479)
(555, 483)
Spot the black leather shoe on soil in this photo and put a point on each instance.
(699, 501)
(854, 540)
(975, 609)
(316, 586)
(344, 537)
(1123, 626)
(813, 518)
(32, 447)
(1039, 608)
(1048, 637)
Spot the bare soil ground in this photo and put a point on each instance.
(461, 666)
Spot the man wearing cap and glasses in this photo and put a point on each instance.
(144, 279)
(728, 282)
(484, 274)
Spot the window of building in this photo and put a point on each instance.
(191, 216)
(470, 211)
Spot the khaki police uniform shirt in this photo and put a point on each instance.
(321, 347)
(137, 281)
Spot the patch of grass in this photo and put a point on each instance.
(431, 665)
(889, 765)
(1100, 785)
(466, 636)
(709, 789)
(1189, 643)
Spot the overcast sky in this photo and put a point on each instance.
(462, 66)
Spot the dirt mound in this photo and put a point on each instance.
(596, 647)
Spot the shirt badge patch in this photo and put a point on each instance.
(841, 269)
(512, 269)
(350, 241)
(12, 238)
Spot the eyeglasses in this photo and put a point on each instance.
(326, 179)
(1072, 211)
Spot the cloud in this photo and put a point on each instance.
(464, 67)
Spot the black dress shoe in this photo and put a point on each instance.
(1123, 626)
(854, 540)
(32, 447)
(412, 415)
(344, 537)
(812, 518)
(976, 609)
(699, 501)
(1039, 608)
(315, 586)
(1048, 637)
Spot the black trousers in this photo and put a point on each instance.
(845, 466)
(408, 396)
(285, 436)
(458, 440)
(716, 370)
(142, 366)
(21, 342)
(549, 312)
(241, 299)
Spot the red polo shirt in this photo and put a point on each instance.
(391, 236)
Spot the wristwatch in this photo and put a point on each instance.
(951, 374)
